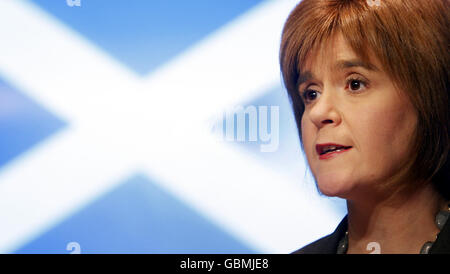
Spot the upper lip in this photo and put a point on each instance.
(320, 148)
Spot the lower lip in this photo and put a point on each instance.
(332, 154)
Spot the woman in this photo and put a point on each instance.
(368, 82)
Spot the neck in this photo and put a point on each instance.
(398, 227)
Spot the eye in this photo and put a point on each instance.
(308, 95)
(356, 84)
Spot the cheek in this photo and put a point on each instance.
(384, 133)
(308, 135)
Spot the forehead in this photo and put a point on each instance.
(335, 48)
(335, 54)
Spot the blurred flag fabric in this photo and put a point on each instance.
(113, 120)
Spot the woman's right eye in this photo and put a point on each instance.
(308, 95)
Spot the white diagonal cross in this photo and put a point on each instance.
(120, 124)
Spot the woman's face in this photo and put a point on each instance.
(355, 105)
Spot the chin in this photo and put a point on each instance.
(334, 185)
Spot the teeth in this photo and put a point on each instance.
(330, 148)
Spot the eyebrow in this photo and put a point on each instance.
(339, 65)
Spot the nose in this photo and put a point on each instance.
(325, 110)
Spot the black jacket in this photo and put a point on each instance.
(329, 244)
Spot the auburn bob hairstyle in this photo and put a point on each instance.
(410, 38)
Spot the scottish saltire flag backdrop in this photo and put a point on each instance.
(155, 126)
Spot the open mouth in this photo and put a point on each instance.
(323, 149)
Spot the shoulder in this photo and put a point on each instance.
(327, 244)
